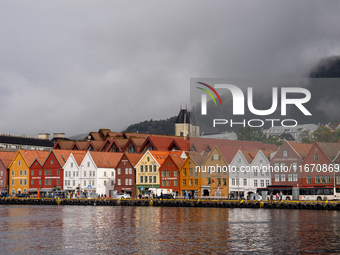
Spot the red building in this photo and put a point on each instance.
(48, 175)
(318, 170)
(6, 158)
(169, 172)
(286, 164)
(126, 173)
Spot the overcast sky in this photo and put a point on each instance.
(77, 66)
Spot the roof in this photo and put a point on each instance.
(160, 143)
(106, 159)
(301, 148)
(78, 156)
(177, 160)
(62, 155)
(64, 144)
(185, 116)
(133, 158)
(121, 142)
(198, 158)
(159, 156)
(181, 144)
(7, 157)
(330, 149)
(286, 136)
(81, 145)
(30, 156)
(249, 155)
(140, 135)
(97, 145)
(26, 141)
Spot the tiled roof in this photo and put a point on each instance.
(159, 156)
(136, 141)
(78, 156)
(198, 158)
(177, 160)
(330, 149)
(121, 142)
(301, 148)
(7, 157)
(182, 144)
(30, 156)
(249, 155)
(140, 135)
(95, 136)
(62, 156)
(17, 140)
(134, 158)
(229, 152)
(82, 145)
(95, 144)
(161, 143)
(64, 144)
(106, 159)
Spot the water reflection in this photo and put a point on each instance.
(148, 230)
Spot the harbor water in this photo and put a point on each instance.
(27, 229)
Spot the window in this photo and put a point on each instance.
(218, 169)
(168, 183)
(88, 164)
(285, 154)
(148, 159)
(277, 177)
(308, 179)
(233, 182)
(84, 173)
(104, 173)
(58, 171)
(295, 166)
(184, 172)
(290, 177)
(154, 179)
(130, 171)
(262, 183)
(295, 177)
(316, 157)
(52, 161)
(130, 181)
(19, 163)
(49, 181)
(244, 182)
(119, 181)
(163, 183)
(32, 182)
(267, 183)
(65, 182)
(71, 164)
(317, 179)
(163, 173)
(12, 182)
(175, 183)
(73, 182)
(112, 183)
(94, 173)
(154, 168)
(145, 179)
(104, 183)
(224, 181)
(190, 171)
(40, 182)
(255, 183)
(119, 170)
(190, 182)
(92, 182)
(167, 173)
(141, 169)
(150, 179)
(126, 170)
(208, 181)
(175, 173)
(255, 171)
(46, 181)
(283, 177)
(46, 172)
(12, 172)
(141, 179)
(126, 181)
(184, 182)
(150, 168)
(68, 182)
(323, 179)
(328, 179)
(20, 172)
(32, 172)
(338, 180)
(50, 172)
(84, 183)
(40, 172)
(219, 181)
(195, 172)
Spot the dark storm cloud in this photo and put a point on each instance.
(77, 66)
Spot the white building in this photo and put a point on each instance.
(296, 131)
(72, 171)
(249, 172)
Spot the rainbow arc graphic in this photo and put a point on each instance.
(204, 97)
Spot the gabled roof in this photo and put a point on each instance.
(180, 143)
(95, 136)
(106, 159)
(63, 144)
(62, 156)
(197, 158)
(159, 156)
(140, 135)
(178, 161)
(249, 155)
(103, 132)
(80, 145)
(160, 143)
(120, 142)
(78, 156)
(30, 156)
(7, 157)
(133, 158)
(302, 149)
(96, 145)
(330, 149)
(136, 141)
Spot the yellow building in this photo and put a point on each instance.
(190, 180)
(147, 174)
(215, 174)
(19, 169)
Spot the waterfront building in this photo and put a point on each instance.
(71, 171)
(316, 170)
(6, 157)
(188, 175)
(19, 173)
(214, 174)
(126, 173)
(97, 172)
(286, 162)
(48, 175)
(147, 174)
(26, 143)
(169, 173)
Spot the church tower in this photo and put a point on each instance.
(185, 124)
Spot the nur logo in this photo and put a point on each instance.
(204, 97)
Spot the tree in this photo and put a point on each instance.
(274, 140)
(251, 134)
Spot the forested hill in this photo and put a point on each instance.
(160, 127)
(327, 68)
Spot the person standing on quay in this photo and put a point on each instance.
(281, 195)
(277, 196)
